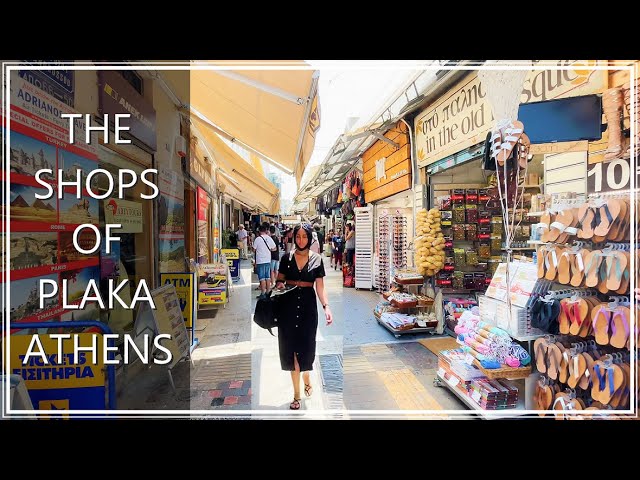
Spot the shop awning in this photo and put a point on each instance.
(273, 112)
(239, 178)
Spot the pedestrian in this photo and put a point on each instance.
(263, 246)
(288, 240)
(316, 227)
(241, 235)
(338, 247)
(298, 320)
(275, 257)
(329, 240)
(350, 244)
(315, 244)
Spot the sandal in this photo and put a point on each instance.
(295, 405)
(308, 390)
(510, 137)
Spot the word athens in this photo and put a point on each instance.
(46, 365)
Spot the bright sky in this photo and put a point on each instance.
(349, 93)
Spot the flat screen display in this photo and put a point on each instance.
(563, 120)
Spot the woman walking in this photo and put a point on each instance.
(298, 321)
(350, 244)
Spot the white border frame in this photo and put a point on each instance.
(8, 67)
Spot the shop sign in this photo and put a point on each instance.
(126, 213)
(387, 169)
(60, 84)
(212, 283)
(184, 284)
(115, 95)
(464, 116)
(59, 383)
(201, 172)
(233, 260)
(609, 176)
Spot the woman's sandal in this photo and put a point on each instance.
(308, 390)
(295, 405)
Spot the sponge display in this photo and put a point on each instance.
(429, 243)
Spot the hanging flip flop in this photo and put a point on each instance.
(613, 381)
(601, 318)
(563, 221)
(609, 211)
(563, 369)
(571, 229)
(626, 278)
(542, 261)
(554, 355)
(578, 271)
(616, 263)
(617, 226)
(619, 327)
(592, 267)
(564, 267)
(586, 329)
(585, 381)
(544, 225)
(540, 352)
(523, 151)
(564, 318)
(553, 260)
(577, 367)
(580, 314)
(587, 223)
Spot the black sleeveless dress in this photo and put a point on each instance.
(298, 316)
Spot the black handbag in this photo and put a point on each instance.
(268, 309)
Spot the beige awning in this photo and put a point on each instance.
(274, 112)
(239, 178)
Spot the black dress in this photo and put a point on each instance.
(298, 316)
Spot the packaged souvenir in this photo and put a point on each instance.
(459, 214)
(484, 250)
(471, 196)
(472, 232)
(459, 232)
(446, 218)
(458, 280)
(460, 257)
(457, 196)
(472, 257)
(472, 213)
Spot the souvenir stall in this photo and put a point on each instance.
(558, 329)
(351, 196)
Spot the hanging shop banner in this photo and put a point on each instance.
(116, 95)
(387, 168)
(126, 213)
(233, 260)
(41, 239)
(61, 384)
(184, 284)
(463, 116)
(212, 283)
(60, 84)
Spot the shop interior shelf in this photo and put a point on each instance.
(535, 214)
(535, 242)
(494, 414)
(521, 249)
(529, 186)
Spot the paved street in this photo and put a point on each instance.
(236, 366)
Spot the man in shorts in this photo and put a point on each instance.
(263, 246)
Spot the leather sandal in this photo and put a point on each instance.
(295, 405)
(308, 390)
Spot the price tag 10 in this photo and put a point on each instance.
(476, 396)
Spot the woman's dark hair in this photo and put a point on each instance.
(349, 226)
(307, 229)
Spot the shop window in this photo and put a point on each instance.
(135, 256)
(134, 80)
